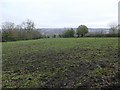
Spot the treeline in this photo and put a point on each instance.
(104, 35)
(80, 32)
(24, 31)
(114, 31)
(27, 31)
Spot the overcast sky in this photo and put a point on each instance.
(60, 13)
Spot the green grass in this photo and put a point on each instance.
(60, 62)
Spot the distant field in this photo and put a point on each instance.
(61, 62)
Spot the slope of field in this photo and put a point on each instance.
(61, 63)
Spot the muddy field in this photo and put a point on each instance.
(61, 63)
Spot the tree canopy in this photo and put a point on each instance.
(69, 33)
(82, 30)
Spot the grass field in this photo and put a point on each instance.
(61, 63)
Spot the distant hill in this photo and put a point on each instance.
(57, 31)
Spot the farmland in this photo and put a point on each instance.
(61, 63)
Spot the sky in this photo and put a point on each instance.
(60, 13)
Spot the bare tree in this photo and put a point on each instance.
(8, 26)
(28, 25)
(113, 28)
(8, 31)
